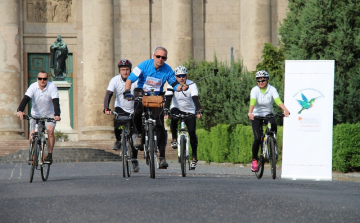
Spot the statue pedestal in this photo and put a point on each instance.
(64, 125)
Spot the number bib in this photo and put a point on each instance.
(152, 83)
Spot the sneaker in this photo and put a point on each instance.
(135, 166)
(174, 144)
(163, 163)
(117, 145)
(254, 166)
(193, 164)
(48, 159)
(138, 141)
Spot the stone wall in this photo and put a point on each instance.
(101, 32)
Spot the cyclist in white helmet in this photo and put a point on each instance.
(262, 97)
(122, 107)
(184, 102)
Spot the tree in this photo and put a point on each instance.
(328, 30)
(273, 61)
(225, 97)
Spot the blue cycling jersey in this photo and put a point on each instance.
(150, 78)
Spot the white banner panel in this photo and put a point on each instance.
(307, 137)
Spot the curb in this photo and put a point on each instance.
(336, 176)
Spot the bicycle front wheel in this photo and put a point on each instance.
(33, 158)
(272, 157)
(128, 157)
(45, 167)
(123, 152)
(183, 155)
(151, 151)
(260, 171)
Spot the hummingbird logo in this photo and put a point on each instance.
(305, 103)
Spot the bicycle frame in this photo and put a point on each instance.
(37, 146)
(183, 134)
(125, 123)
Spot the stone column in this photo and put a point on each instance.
(10, 70)
(177, 30)
(98, 66)
(255, 30)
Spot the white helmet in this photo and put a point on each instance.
(261, 73)
(181, 70)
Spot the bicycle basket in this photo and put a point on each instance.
(152, 101)
(121, 121)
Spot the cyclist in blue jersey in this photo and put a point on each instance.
(262, 97)
(151, 75)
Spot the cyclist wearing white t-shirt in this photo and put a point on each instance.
(122, 106)
(262, 97)
(45, 103)
(184, 102)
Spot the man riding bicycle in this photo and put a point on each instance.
(182, 103)
(152, 75)
(45, 103)
(122, 107)
(262, 97)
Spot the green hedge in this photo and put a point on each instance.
(346, 147)
(227, 143)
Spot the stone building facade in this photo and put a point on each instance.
(99, 33)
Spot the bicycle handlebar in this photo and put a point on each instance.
(267, 117)
(28, 117)
(181, 116)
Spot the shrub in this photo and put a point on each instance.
(346, 147)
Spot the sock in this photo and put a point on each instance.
(50, 154)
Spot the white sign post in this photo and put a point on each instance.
(307, 137)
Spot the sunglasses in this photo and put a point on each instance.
(261, 81)
(40, 79)
(181, 76)
(158, 56)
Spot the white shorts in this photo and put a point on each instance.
(33, 122)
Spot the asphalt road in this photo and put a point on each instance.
(97, 192)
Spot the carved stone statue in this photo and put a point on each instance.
(58, 53)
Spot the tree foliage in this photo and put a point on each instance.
(273, 61)
(328, 30)
(224, 97)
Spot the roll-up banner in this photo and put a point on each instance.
(307, 137)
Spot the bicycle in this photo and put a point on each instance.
(268, 151)
(149, 130)
(126, 154)
(183, 145)
(38, 148)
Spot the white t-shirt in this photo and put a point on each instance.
(264, 102)
(184, 104)
(117, 85)
(42, 105)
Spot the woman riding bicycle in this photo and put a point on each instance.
(262, 97)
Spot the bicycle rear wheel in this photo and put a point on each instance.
(272, 157)
(151, 151)
(45, 167)
(128, 157)
(123, 151)
(183, 155)
(33, 158)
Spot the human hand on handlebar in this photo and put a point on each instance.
(182, 87)
(20, 114)
(57, 118)
(199, 113)
(128, 96)
(251, 116)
